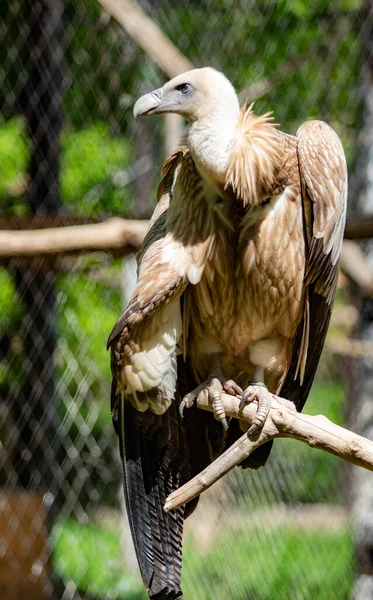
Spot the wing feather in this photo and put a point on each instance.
(323, 173)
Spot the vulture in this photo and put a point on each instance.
(236, 279)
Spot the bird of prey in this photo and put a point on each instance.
(236, 280)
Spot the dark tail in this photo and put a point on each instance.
(152, 463)
(159, 454)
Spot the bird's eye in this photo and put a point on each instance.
(184, 88)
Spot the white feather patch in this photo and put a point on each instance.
(149, 368)
(263, 353)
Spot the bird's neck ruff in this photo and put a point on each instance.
(238, 150)
(255, 157)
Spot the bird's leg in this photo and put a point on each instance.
(214, 386)
(257, 391)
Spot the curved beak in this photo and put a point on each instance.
(148, 104)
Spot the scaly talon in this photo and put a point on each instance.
(213, 386)
(215, 391)
(257, 391)
(246, 398)
(250, 394)
(232, 388)
(190, 398)
(186, 402)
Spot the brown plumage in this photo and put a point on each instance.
(240, 262)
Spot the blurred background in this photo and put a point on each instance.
(71, 156)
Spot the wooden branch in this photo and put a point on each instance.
(355, 265)
(115, 234)
(148, 36)
(117, 237)
(355, 228)
(316, 431)
(16, 222)
(348, 346)
(61, 235)
(359, 228)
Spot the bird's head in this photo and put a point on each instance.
(228, 147)
(194, 95)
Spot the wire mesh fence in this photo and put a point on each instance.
(69, 149)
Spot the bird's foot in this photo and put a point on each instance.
(258, 392)
(213, 387)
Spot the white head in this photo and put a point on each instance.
(208, 101)
(194, 95)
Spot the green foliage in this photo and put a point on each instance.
(103, 66)
(10, 315)
(90, 555)
(14, 156)
(294, 473)
(309, 51)
(314, 473)
(256, 564)
(7, 293)
(87, 312)
(89, 159)
(327, 398)
(245, 564)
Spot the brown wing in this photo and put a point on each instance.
(158, 452)
(323, 173)
(151, 291)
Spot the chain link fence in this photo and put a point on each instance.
(70, 152)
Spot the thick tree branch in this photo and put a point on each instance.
(111, 235)
(61, 236)
(359, 228)
(29, 236)
(316, 431)
(356, 266)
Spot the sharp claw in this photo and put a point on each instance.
(185, 403)
(224, 422)
(232, 388)
(254, 427)
(181, 409)
(243, 400)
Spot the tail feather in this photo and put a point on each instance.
(148, 446)
(159, 454)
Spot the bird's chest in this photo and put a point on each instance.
(252, 285)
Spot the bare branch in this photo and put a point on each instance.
(348, 346)
(58, 236)
(359, 228)
(356, 266)
(113, 234)
(25, 236)
(316, 431)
